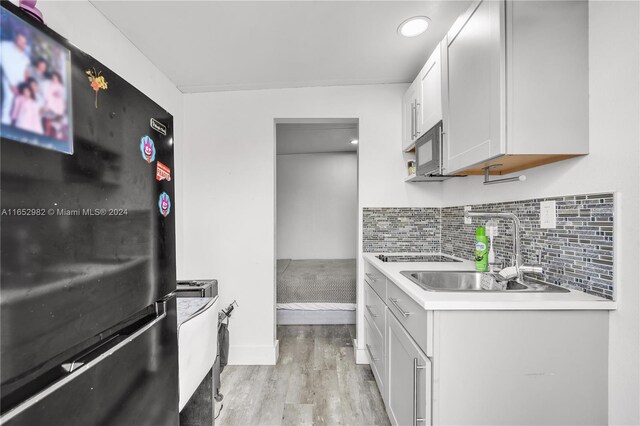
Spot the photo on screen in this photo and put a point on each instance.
(35, 93)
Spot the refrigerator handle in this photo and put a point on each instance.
(79, 366)
(70, 367)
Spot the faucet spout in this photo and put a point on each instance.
(517, 229)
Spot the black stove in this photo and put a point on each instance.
(416, 258)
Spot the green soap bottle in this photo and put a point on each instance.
(482, 250)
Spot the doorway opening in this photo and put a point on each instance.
(316, 221)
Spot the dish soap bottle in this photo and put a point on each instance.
(482, 263)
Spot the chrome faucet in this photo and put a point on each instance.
(521, 268)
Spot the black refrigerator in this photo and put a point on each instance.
(87, 304)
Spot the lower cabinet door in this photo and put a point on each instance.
(408, 378)
(375, 350)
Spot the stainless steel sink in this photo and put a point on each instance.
(472, 281)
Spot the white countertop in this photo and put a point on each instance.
(189, 306)
(480, 300)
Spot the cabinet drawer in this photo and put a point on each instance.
(412, 316)
(374, 345)
(373, 307)
(376, 280)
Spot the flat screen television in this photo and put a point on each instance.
(35, 93)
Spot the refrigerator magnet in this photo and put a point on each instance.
(97, 81)
(164, 204)
(162, 172)
(158, 126)
(147, 149)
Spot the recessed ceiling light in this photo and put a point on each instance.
(414, 26)
(354, 141)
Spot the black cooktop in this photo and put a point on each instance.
(416, 258)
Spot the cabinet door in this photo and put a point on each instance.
(475, 69)
(375, 351)
(409, 122)
(408, 378)
(430, 94)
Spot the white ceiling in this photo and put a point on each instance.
(235, 45)
(311, 138)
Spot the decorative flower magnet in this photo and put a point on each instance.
(97, 82)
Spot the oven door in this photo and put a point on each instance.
(428, 152)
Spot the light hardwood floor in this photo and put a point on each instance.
(316, 382)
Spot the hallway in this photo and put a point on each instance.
(316, 381)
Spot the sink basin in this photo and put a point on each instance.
(471, 281)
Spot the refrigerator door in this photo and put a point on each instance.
(87, 241)
(133, 381)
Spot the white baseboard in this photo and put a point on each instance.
(360, 353)
(301, 317)
(254, 355)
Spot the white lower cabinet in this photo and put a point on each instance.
(484, 367)
(375, 351)
(408, 378)
(374, 308)
(376, 280)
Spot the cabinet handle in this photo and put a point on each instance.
(371, 311)
(417, 131)
(371, 277)
(416, 367)
(442, 133)
(413, 120)
(402, 311)
(374, 359)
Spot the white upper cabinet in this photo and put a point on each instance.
(515, 85)
(410, 105)
(474, 75)
(422, 102)
(430, 94)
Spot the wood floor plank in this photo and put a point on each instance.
(378, 412)
(327, 410)
(297, 414)
(349, 387)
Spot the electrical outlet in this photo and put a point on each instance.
(467, 220)
(548, 214)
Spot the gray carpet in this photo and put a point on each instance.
(316, 280)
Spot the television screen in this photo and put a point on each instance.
(35, 94)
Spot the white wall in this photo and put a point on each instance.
(317, 206)
(229, 186)
(612, 165)
(82, 24)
